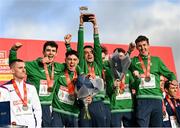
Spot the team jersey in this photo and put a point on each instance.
(63, 102)
(97, 64)
(151, 89)
(37, 77)
(123, 102)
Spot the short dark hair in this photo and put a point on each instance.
(141, 38)
(50, 43)
(104, 49)
(119, 50)
(71, 52)
(89, 46)
(11, 63)
(167, 84)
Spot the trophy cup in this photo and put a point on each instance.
(86, 15)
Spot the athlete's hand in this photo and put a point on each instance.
(81, 20)
(67, 39)
(136, 74)
(89, 99)
(116, 83)
(132, 47)
(16, 46)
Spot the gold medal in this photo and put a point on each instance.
(146, 70)
(147, 79)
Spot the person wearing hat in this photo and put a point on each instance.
(148, 69)
(42, 73)
(24, 101)
(171, 114)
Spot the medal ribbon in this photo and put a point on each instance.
(70, 83)
(91, 71)
(122, 83)
(171, 104)
(146, 71)
(104, 77)
(48, 78)
(24, 100)
(163, 107)
(103, 74)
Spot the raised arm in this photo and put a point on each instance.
(167, 73)
(80, 46)
(13, 51)
(131, 48)
(97, 47)
(67, 40)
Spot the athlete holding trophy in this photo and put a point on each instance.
(90, 60)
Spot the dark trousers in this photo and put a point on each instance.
(61, 120)
(149, 113)
(108, 115)
(46, 116)
(99, 115)
(126, 117)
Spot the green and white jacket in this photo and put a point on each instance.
(151, 89)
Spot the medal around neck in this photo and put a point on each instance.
(147, 79)
(49, 89)
(25, 107)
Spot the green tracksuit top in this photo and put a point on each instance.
(109, 81)
(123, 102)
(151, 89)
(36, 76)
(61, 103)
(98, 64)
